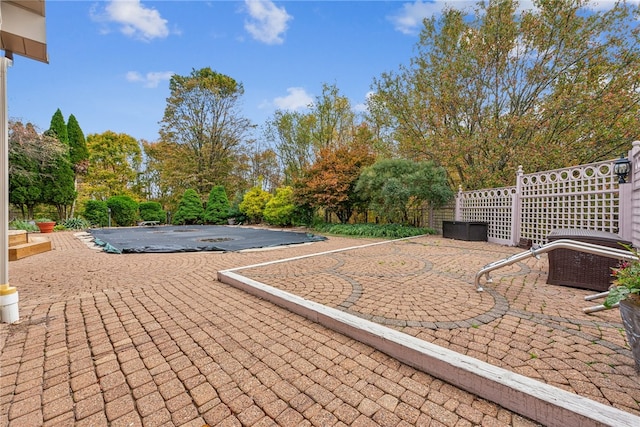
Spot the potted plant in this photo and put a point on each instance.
(45, 225)
(626, 292)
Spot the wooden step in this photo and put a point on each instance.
(17, 237)
(35, 245)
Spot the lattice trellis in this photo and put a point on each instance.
(494, 206)
(584, 197)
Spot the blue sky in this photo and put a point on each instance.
(110, 61)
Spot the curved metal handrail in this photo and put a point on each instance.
(535, 251)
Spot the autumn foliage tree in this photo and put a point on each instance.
(330, 182)
(549, 87)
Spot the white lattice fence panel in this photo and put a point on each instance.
(584, 196)
(494, 206)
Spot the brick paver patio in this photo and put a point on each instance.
(156, 339)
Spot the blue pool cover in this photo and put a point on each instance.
(195, 238)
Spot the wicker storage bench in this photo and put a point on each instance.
(465, 230)
(580, 269)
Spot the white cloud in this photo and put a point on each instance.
(363, 106)
(296, 99)
(151, 79)
(268, 22)
(408, 20)
(135, 20)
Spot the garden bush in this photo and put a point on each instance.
(190, 210)
(387, 231)
(253, 204)
(96, 212)
(124, 210)
(217, 210)
(152, 211)
(280, 209)
(18, 224)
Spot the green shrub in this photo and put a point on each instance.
(217, 210)
(75, 224)
(253, 204)
(124, 210)
(18, 224)
(280, 209)
(96, 212)
(190, 210)
(152, 211)
(387, 231)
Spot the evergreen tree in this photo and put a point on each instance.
(58, 128)
(218, 206)
(190, 210)
(59, 188)
(78, 152)
(395, 186)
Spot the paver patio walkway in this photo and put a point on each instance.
(155, 339)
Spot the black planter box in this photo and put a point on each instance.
(472, 231)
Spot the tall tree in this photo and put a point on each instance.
(290, 134)
(58, 189)
(202, 115)
(58, 127)
(262, 168)
(549, 87)
(25, 141)
(334, 118)
(163, 172)
(114, 161)
(78, 153)
(298, 137)
(58, 182)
